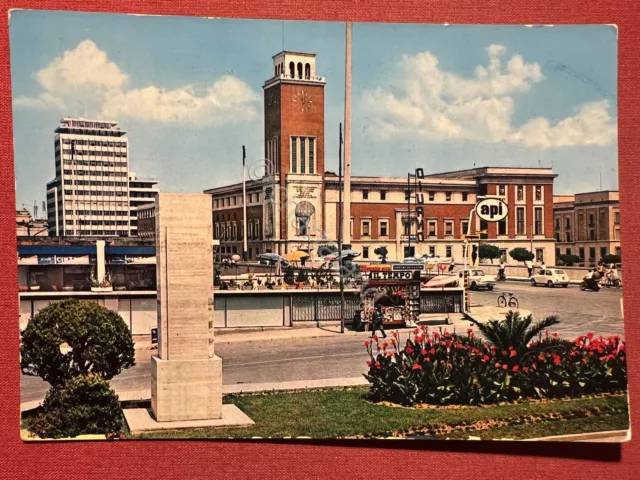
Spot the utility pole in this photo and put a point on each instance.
(244, 205)
(346, 227)
(408, 214)
(340, 230)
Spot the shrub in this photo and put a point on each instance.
(289, 278)
(521, 254)
(611, 258)
(75, 337)
(569, 259)
(489, 252)
(83, 405)
(461, 369)
(382, 252)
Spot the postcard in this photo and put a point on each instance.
(285, 229)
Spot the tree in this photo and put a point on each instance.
(514, 331)
(382, 252)
(83, 405)
(489, 252)
(521, 254)
(324, 250)
(611, 258)
(569, 259)
(75, 337)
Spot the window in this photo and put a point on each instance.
(351, 228)
(366, 228)
(520, 230)
(464, 227)
(567, 251)
(432, 250)
(258, 229)
(383, 194)
(503, 255)
(448, 249)
(448, 228)
(365, 194)
(540, 255)
(557, 252)
(407, 195)
(618, 251)
(312, 155)
(501, 190)
(581, 253)
(365, 252)
(432, 196)
(384, 228)
(407, 226)
(557, 223)
(302, 225)
(502, 227)
(592, 253)
(303, 166)
(603, 252)
(448, 196)
(433, 228)
(465, 197)
(538, 224)
(250, 230)
(538, 193)
(294, 154)
(616, 217)
(520, 193)
(592, 222)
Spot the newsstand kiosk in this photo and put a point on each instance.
(395, 288)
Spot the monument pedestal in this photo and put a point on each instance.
(186, 389)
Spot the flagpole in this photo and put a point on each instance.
(340, 231)
(346, 227)
(244, 205)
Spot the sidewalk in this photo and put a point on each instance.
(484, 313)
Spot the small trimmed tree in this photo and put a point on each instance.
(569, 259)
(382, 252)
(489, 252)
(611, 258)
(521, 254)
(74, 337)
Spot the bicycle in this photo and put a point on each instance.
(512, 302)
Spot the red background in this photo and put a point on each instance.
(309, 459)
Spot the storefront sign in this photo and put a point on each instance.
(403, 267)
(492, 209)
(77, 260)
(117, 260)
(392, 275)
(143, 260)
(28, 260)
(46, 259)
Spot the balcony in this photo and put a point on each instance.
(285, 76)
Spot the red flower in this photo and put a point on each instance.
(525, 369)
(458, 345)
(541, 357)
(515, 368)
(485, 358)
(505, 366)
(497, 365)
(556, 359)
(389, 353)
(446, 334)
(428, 360)
(590, 335)
(385, 344)
(513, 353)
(432, 351)
(534, 366)
(419, 338)
(375, 337)
(585, 361)
(423, 352)
(378, 365)
(393, 341)
(369, 363)
(408, 350)
(367, 343)
(469, 330)
(555, 334)
(416, 331)
(511, 347)
(449, 365)
(396, 334)
(416, 366)
(436, 335)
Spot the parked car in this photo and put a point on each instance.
(477, 279)
(551, 277)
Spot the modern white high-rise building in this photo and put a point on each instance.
(92, 192)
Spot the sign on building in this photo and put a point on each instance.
(492, 209)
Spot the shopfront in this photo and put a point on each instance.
(396, 289)
(132, 272)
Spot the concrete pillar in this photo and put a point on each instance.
(101, 261)
(186, 377)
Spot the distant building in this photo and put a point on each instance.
(587, 225)
(91, 194)
(30, 227)
(146, 215)
(294, 205)
(141, 192)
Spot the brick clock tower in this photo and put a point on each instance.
(293, 185)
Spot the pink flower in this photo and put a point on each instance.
(423, 352)
(369, 363)
(485, 358)
(505, 366)
(416, 366)
(515, 368)
(513, 353)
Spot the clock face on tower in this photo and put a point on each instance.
(303, 100)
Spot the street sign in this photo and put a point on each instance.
(404, 267)
(492, 209)
(471, 237)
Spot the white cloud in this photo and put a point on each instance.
(85, 77)
(431, 103)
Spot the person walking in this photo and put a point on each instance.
(501, 275)
(452, 265)
(377, 322)
(529, 267)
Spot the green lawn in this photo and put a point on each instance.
(346, 413)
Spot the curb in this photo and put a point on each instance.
(611, 436)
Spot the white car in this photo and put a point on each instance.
(551, 277)
(477, 279)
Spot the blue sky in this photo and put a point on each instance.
(188, 91)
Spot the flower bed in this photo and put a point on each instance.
(447, 368)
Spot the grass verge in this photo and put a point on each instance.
(345, 413)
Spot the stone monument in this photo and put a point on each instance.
(186, 375)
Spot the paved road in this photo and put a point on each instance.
(340, 357)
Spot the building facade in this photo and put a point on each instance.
(295, 204)
(91, 194)
(141, 192)
(27, 226)
(587, 225)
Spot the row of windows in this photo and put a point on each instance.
(96, 163)
(113, 213)
(303, 154)
(604, 251)
(97, 222)
(236, 200)
(229, 230)
(94, 232)
(93, 153)
(502, 189)
(279, 70)
(97, 193)
(98, 183)
(273, 155)
(94, 143)
(96, 173)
